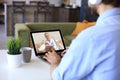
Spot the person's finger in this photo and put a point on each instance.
(46, 56)
(53, 50)
(63, 53)
(51, 53)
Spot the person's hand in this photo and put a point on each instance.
(52, 57)
(63, 53)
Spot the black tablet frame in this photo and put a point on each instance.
(43, 31)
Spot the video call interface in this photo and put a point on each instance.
(45, 41)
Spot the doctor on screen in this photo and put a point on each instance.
(50, 41)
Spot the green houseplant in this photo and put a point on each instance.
(14, 54)
(14, 45)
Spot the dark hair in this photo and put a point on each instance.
(115, 3)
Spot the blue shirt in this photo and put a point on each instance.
(95, 53)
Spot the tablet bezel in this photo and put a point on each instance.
(41, 31)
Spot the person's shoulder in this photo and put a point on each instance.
(92, 33)
(87, 32)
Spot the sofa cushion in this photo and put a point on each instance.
(80, 26)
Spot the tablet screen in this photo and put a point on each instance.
(44, 41)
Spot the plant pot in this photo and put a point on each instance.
(14, 61)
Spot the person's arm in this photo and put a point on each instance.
(52, 68)
(53, 58)
(77, 63)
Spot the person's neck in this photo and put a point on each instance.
(102, 8)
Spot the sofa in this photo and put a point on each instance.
(69, 30)
(22, 30)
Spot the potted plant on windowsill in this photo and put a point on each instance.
(14, 54)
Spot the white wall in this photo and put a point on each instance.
(77, 2)
(27, 1)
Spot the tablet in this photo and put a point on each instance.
(45, 40)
